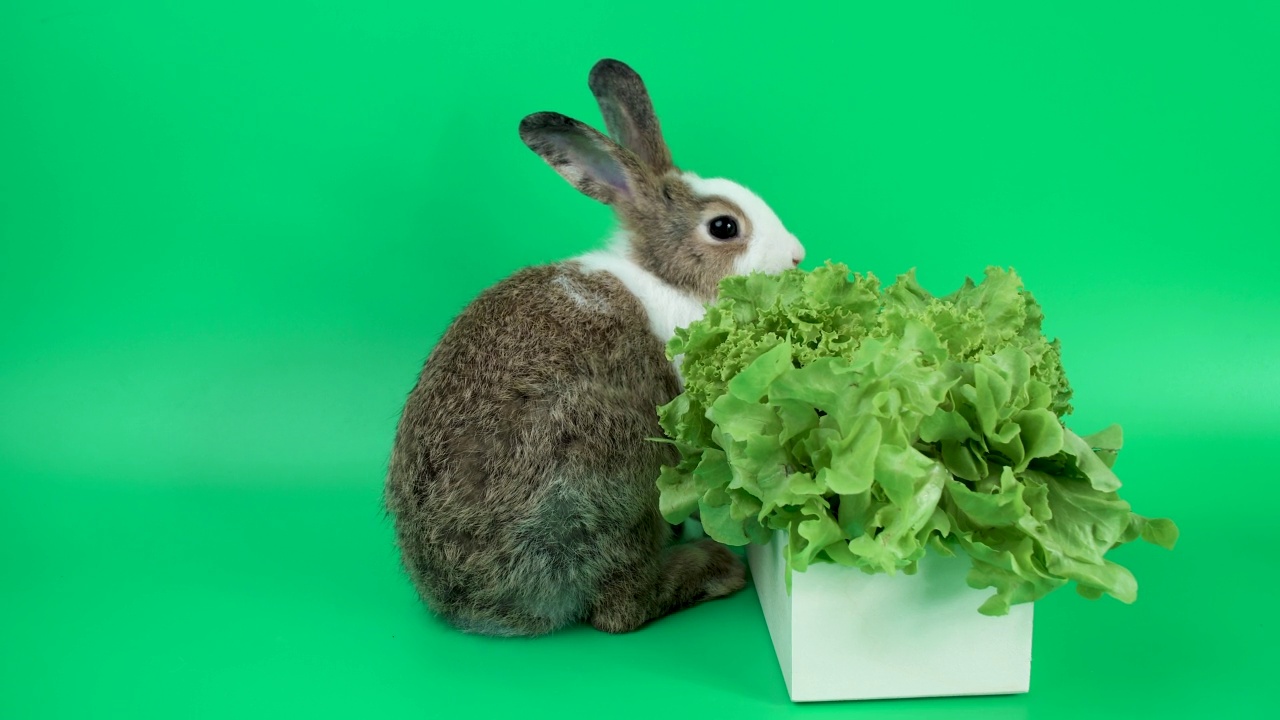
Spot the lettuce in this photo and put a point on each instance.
(872, 425)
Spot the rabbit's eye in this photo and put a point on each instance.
(723, 228)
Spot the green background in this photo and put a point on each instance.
(231, 231)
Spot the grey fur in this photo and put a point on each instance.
(628, 113)
(664, 242)
(591, 162)
(521, 479)
(661, 212)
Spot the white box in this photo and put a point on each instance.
(845, 635)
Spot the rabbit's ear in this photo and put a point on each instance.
(591, 162)
(628, 113)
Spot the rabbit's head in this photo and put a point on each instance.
(689, 231)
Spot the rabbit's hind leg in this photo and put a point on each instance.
(682, 576)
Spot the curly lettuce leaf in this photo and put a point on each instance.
(872, 425)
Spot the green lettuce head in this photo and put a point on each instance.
(871, 425)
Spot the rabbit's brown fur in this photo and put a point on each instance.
(521, 480)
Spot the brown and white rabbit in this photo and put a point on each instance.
(522, 480)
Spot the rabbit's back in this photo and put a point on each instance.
(521, 474)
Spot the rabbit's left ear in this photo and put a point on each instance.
(628, 113)
(591, 162)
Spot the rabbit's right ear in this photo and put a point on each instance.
(591, 162)
(628, 113)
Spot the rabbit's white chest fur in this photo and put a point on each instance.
(667, 307)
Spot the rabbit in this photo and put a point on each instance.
(522, 479)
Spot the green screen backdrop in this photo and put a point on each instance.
(230, 232)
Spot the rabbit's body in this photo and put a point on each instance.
(522, 478)
(513, 520)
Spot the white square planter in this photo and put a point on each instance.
(844, 635)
